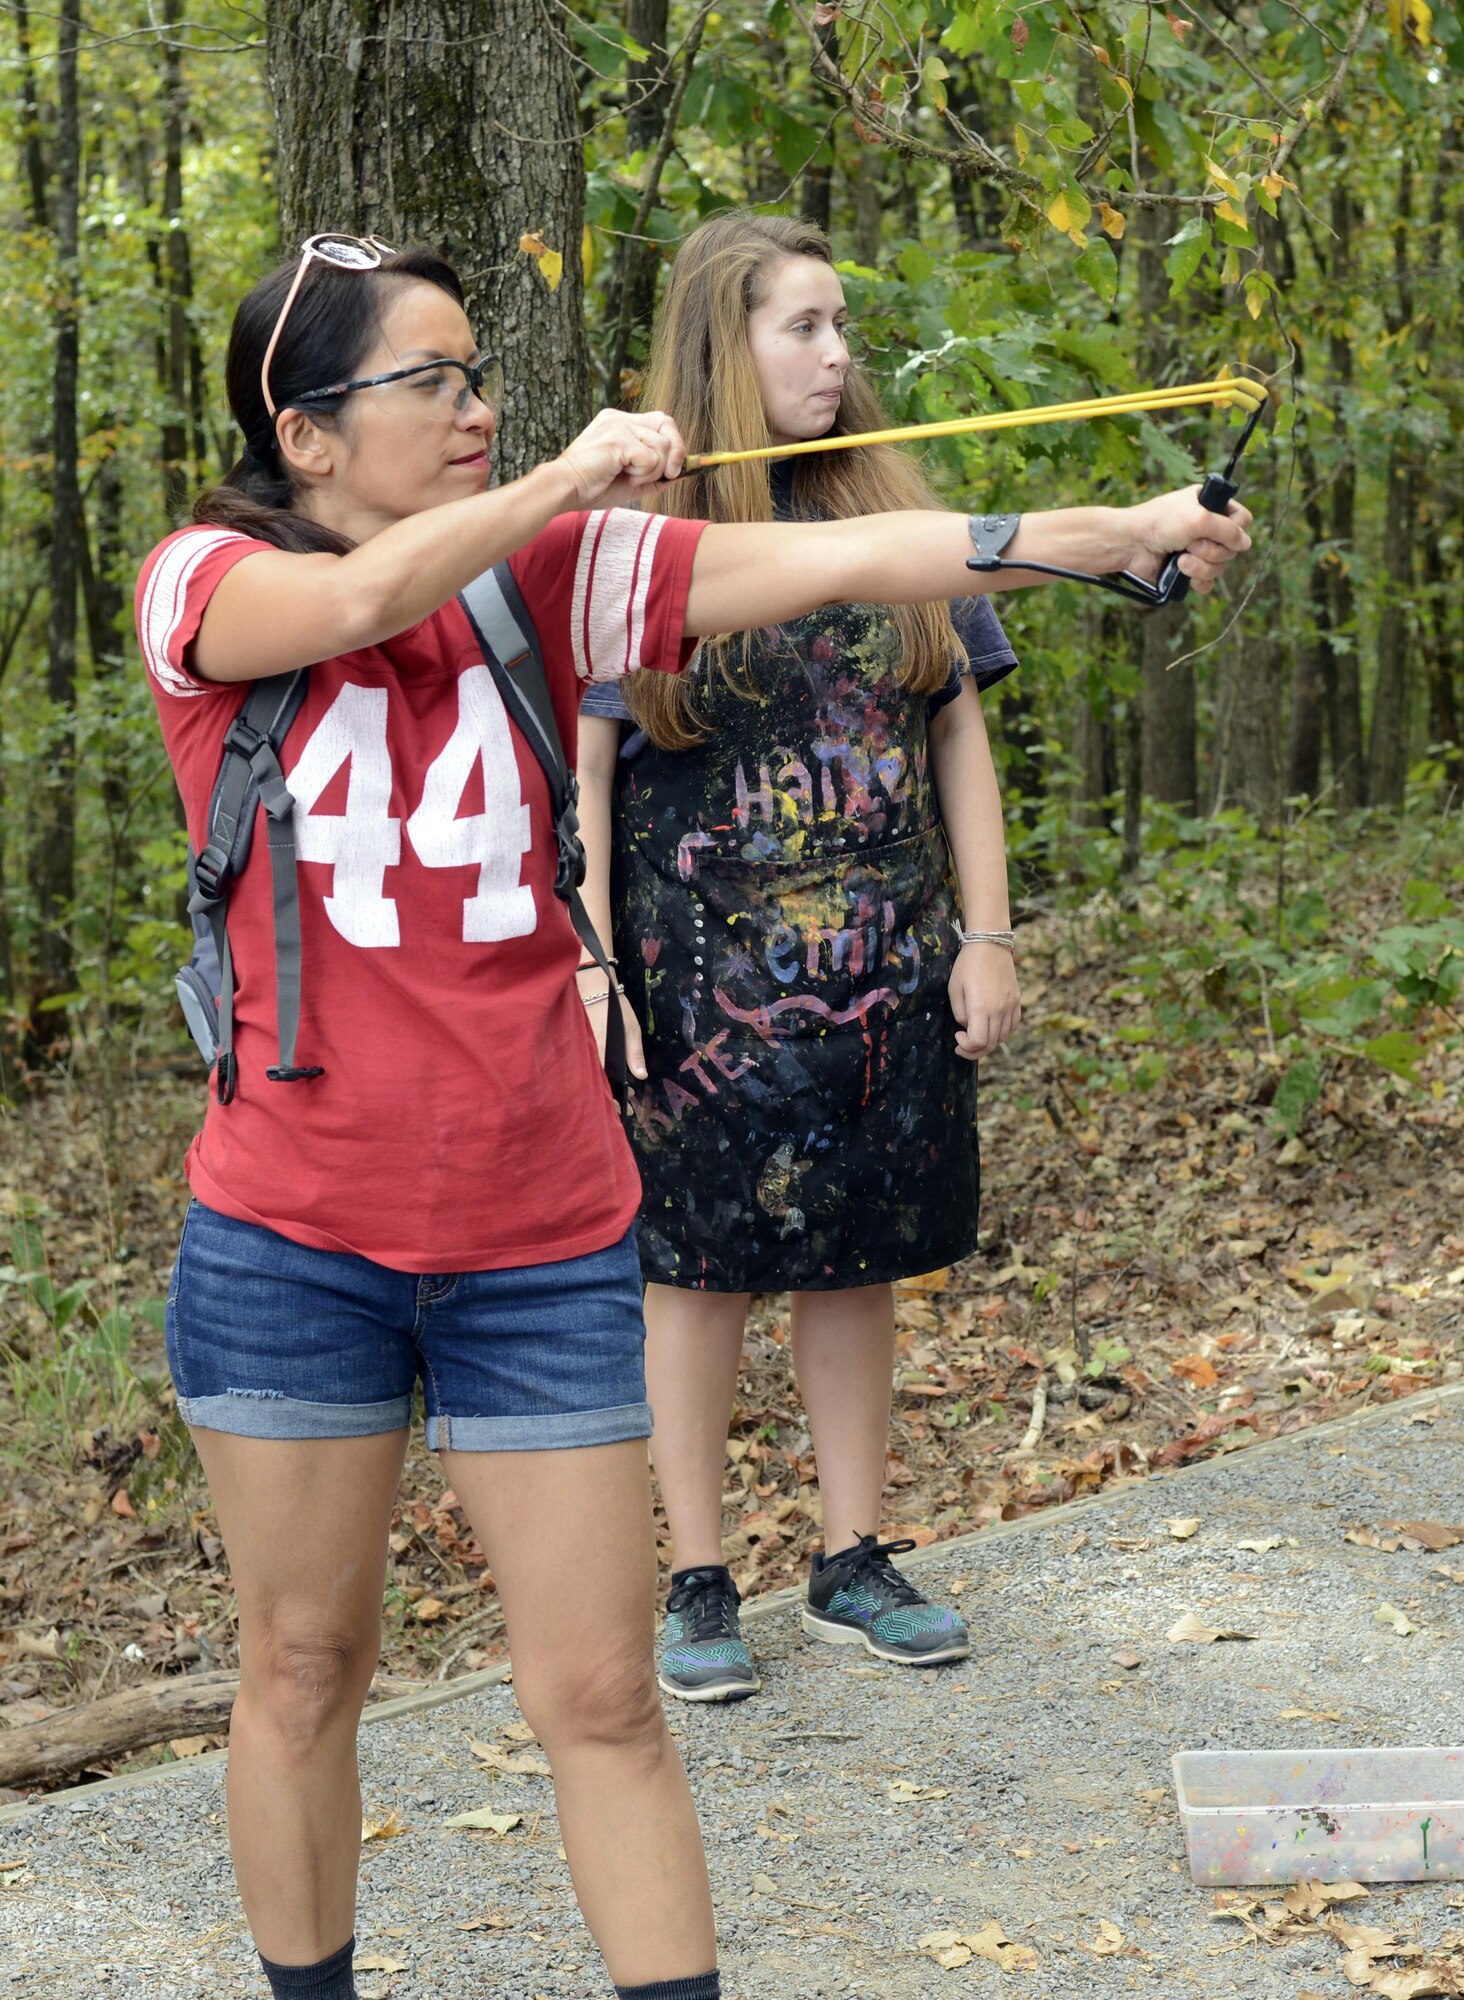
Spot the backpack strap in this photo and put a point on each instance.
(251, 776)
(504, 629)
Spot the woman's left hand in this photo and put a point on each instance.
(985, 999)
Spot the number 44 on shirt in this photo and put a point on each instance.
(364, 841)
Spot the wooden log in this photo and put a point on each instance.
(38, 1753)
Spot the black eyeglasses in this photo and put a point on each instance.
(438, 379)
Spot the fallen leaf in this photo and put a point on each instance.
(1413, 1984)
(1191, 1629)
(1182, 1530)
(428, 1609)
(992, 1943)
(903, 1789)
(1449, 1575)
(493, 1920)
(122, 1505)
(1309, 1715)
(1197, 1371)
(520, 1766)
(1369, 1538)
(486, 1821)
(518, 1732)
(1311, 1899)
(1108, 1941)
(374, 1961)
(47, 1647)
(1262, 1544)
(382, 1829)
(1389, 1614)
(190, 1746)
(1433, 1535)
(764, 1885)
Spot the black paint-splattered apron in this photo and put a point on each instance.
(784, 916)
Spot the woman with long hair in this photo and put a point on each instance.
(811, 919)
(435, 1188)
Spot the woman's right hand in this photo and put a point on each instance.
(591, 982)
(620, 453)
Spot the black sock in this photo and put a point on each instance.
(680, 1576)
(705, 1986)
(330, 1980)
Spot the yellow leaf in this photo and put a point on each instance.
(1059, 214)
(1254, 301)
(1222, 180)
(485, 1821)
(1183, 1529)
(551, 269)
(1228, 212)
(382, 1829)
(587, 253)
(1274, 185)
(1113, 222)
(428, 1610)
(1076, 236)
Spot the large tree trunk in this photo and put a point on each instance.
(53, 864)
(452, 122)
(1310, 684)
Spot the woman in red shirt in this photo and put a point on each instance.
(448, 1197)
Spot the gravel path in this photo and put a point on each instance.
(1050, 1762)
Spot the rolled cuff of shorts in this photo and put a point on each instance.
(564, 1432)
(254, 1414)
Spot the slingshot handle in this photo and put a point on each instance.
(1215, 496)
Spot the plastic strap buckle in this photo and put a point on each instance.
(243, 738)
(211, 871)
(295, 1073)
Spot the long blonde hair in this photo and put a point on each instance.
(701, 372)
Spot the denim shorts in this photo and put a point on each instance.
(269, 1339)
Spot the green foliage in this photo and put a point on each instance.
(66, 1351)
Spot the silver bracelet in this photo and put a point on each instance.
(594, 999)
(1007, 939)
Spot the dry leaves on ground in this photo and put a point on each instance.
(1375, 1960)
(953, 1949)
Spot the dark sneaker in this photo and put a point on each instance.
(702, 1654)
(859, 1598)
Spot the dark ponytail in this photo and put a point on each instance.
(332, 327)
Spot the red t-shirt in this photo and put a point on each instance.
(463, 1121)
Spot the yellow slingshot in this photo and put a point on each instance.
(1226, 392)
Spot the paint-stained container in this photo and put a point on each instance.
(1322, 1815)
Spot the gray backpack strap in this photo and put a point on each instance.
(250, 776)
(505, 631)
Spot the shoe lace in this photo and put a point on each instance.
(871, 1555)
(709, 1599)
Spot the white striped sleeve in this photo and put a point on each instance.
(612, 582)
(164, 626)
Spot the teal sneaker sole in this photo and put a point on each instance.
(728, 1690)
(834, 1632)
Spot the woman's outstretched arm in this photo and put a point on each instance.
(764, 574)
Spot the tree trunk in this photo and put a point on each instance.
(1170, 769)
(1344, 714)
(648, 90)
(868, 181)
(54, 852)
(1252, 670)
(1310, 683)
(1388, 744)
(32, 146)
(453, 122)
(175, 275)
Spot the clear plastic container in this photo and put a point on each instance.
(1322, 1815)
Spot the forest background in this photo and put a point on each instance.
(1223, 1158)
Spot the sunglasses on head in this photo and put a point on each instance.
(347, 253)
